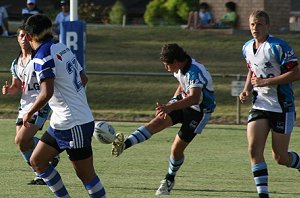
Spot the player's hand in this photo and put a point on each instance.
(157, 109)
(162, 109)
(26, 118)
(5, 88)
(258, 82)
(244, 96)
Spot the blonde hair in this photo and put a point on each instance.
(260, 14)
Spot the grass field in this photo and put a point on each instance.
(216, 165)
(136, 49)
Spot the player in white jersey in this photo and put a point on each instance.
(62, 80)
(273, 67)
(192, 105)
(24, 77)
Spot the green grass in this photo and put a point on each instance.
(136, 49)
(216, 165)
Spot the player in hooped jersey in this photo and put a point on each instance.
(273, 67)
(24, 76)
(62, 80)
(192, 105)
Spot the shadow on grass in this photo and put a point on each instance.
(214, 191)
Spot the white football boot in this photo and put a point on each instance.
(165, 187)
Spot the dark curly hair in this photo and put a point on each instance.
(170, 52)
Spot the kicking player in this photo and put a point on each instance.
(62, 80)
(23, 75)
(192, 105)
(273, 67)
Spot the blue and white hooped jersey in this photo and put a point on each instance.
(68, 103)
(273, 58)
(30, 85)
(198, 76)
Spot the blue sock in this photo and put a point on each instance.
(140, 135)
(95, 188)
(174, 166)
(27, 154)
(260, 173)
(295, 160)
(53, 180)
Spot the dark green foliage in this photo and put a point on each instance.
(167, 12)
(154, 12)
(117, 12)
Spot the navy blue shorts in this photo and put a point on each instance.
(76, 141)
(193, 122)
(278, 122)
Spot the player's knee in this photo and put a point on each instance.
(22, 143)
(253, 151)
(19, 141)
(280, 159)
(38, 165)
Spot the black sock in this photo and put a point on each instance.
(170, 177)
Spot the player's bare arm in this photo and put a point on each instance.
(12, 89)
(192, 99)
(288, 77)
(245, 93)
(84, 78)
(178, 91)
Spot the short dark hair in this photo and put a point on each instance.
(204, 6)
(230, 5)
(39, 27)
(170, 52)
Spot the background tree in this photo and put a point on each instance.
(117, 12)
(167, 12)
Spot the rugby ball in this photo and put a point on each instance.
(104, 132)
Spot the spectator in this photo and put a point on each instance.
(229, 18)
(3, 22)
(62, 16)
(30, 10)
(201, 18)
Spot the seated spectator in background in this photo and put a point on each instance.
(201, 18)
(30, 10)
(62, 16)
(3, 22)
(229, 18)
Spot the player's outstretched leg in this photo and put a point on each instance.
(120, 144)
(295, 160)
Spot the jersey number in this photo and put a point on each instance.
(72, 70)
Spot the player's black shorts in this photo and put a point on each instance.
(74, 154)
(278, 122)
(192, 121)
